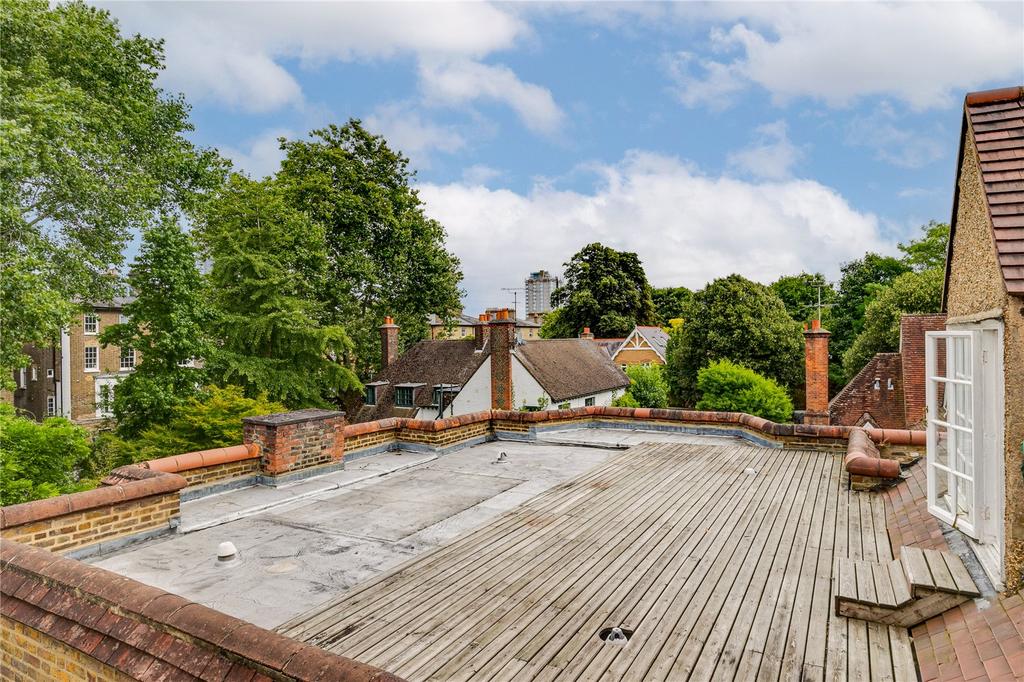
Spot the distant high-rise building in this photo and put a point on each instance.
(539, 286)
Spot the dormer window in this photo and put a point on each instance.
(403, 396)
(371, 395)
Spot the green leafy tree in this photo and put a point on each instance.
(799, 293)
(209, 419)
(860, 279)
(604, 289)
(929, 251)
(268, 260)
(39, 459)
(647, 386)
(384, 256)
(669, 303)
(736, 319)
(167, 325)
(727, 387)
(910, 293)
(92, 149)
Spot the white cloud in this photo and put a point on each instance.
(772, 155)
(480, 174)
(461, 81)
(406, 130)
(895, 141)
(230, 52)
(687, 227)
(924, 54)
(260, 155)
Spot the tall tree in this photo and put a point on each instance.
(92, 150)
(384, 255)
(167, 325)
(929, 250)
(910, 293)
(604, 289)
(734, 319)
(859, 281)
(669, 303)
(269, 261)
(800, 294)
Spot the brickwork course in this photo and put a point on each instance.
(816, 361)
(293, 441)
(502, 336)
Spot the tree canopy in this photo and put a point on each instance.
(268, 259)
(605, 290)
(92, 150)
(929, 250)
(384, 256)
(669, 303)
(860, 279)
(167, 325)
(799, 293)
(39, 459)
(735, 319)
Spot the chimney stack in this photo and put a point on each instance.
(816, 366)
(388, 343)
(586, 333)
(502, 331)
(481, 332)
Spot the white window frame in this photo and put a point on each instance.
(105, 385)
(49, 373)
(21, 378)
(35, 373)
(122, 319)
(91, 324)
(51, 405)
(959, 467)
(127, 360)
(85, 359)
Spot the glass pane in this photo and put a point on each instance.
(964, 454)
(941, 453)
(943, 490)
(965, 499)
(964, 407)
(941, 401)
(962, 364)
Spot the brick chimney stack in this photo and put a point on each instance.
(481, 332)
(816, 365)
(587, 334)
(502, 330)
(388, 343)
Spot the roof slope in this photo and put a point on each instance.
(570, 368)
(658, 338)
(429, 363)
(996, 122)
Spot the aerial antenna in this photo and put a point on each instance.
(515, 298)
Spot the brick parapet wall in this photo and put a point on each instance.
(134, 502)
(106, 622)
(29, 654)
(217, 473)
(293, 441)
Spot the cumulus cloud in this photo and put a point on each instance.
(260, 155)
(687, 227)
(924, 54)
(462, 81)
(230, 52)
(896, 141)
(771, 157)
(406, 129)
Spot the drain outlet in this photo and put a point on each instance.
(616, 635)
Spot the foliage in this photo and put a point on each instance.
(268, 261)
(929, 251)
(727, 387)
(799, 293)
(736, 319)
(669, 303)
(211, 419)
(38, 459)
(859, 281)
(166, 326)
(383, 255)
(92, 150)
(603, 289)
(647, 386)
(625, 400)
(910, 293)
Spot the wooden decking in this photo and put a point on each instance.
(719, 573)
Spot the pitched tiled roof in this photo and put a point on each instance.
(429, 363)
(657, 337)
(995, 119)
(571, 368)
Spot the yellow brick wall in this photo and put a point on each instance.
(83, 389)
(369, 440)
(81, 529)
(30, 655)
(221, 472)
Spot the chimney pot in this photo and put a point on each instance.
(586, 333)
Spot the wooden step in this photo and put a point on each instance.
(904, 592)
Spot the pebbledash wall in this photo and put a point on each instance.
(59, 614)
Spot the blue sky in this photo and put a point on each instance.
(760, 138)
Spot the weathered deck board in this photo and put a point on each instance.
(719, 573)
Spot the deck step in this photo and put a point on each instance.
(905, 591)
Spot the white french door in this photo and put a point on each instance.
(953, 371)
